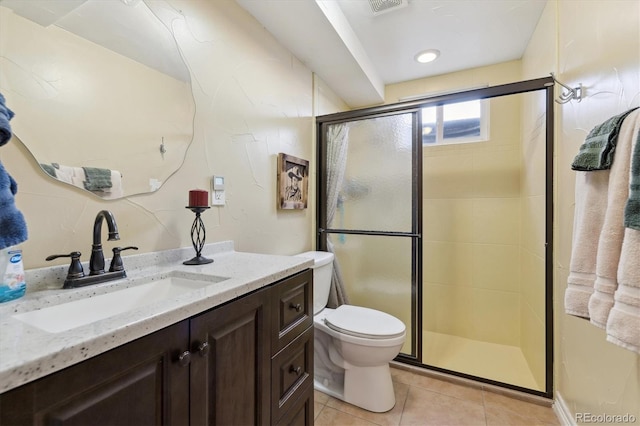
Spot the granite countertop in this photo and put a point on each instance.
(28, 353)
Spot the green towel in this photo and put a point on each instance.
(632, 209)
(97, 179)
(596, 153)
(49, 169)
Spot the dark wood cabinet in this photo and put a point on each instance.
(229, 376)
(291, 374)
(140, 383)
(292, 349)
(301, 412)
(247, 362)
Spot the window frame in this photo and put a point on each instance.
(442, 140)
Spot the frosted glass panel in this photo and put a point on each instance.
(375, 193)
(377, 274)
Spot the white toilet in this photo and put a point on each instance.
(353, 345)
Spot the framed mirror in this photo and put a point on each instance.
(101, 94)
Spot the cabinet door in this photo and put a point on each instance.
(140, 383)
(230, 363)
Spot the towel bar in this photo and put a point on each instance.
(572, 92)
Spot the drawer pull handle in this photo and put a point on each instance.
(297, 370)
(184, 358)
(297, 306)
(203, 349)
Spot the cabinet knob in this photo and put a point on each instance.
(203, 348)
(184, 358)
(296, 306)
(297, 370)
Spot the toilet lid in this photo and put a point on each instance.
(364, 322)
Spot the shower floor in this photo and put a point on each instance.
(501, 363)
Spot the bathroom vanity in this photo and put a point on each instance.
(237, 351)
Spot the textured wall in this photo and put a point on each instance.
(253, 100)
(598, 46)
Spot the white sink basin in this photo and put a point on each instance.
(69, 315)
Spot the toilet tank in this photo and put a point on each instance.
(322, 273)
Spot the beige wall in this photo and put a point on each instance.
(491, 75)
(253, 100)
(598, 45)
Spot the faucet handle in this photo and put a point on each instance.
(116, 261)
(75, 268)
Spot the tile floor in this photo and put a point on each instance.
(426, 400)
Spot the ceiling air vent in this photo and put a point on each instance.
(379, 7)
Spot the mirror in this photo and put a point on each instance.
(101, 94)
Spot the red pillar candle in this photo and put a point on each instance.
(198, 198)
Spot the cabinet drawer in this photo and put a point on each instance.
(293, 310)
(291, 373)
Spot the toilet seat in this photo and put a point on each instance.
(364, 322)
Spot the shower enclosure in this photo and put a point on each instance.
(439, 212)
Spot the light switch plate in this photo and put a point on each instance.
(217, 191)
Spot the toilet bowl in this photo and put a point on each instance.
(352, 345)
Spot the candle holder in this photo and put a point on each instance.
(198, 236)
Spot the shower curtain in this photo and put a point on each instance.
(337, 144)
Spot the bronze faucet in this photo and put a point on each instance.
(75, 275)
(96, 262)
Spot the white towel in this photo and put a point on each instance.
(591, 201)
(623, 325)
(64, 173)
(116, 190)
(611, 235)
(78, 177)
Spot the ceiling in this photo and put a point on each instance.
(357, 51)
(126, 27)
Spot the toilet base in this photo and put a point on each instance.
(370, 388)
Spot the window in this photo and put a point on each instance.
(460, 122)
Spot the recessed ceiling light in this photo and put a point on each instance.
(427, 56)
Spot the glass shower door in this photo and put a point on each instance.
(485, 204)
(370, 217)
(440, 212)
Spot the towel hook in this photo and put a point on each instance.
(162, 148)
(570, 93)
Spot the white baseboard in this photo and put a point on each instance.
(562, 411)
